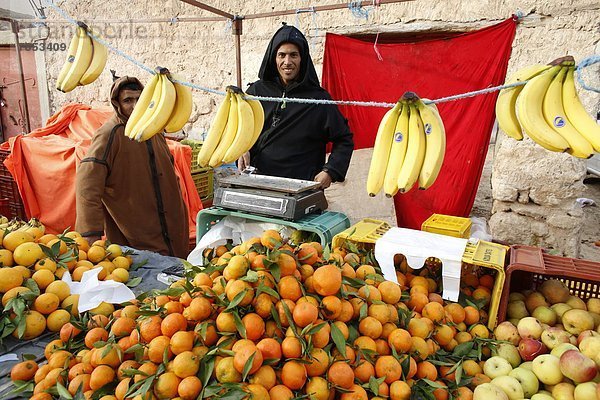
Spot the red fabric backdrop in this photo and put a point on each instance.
(432, 69)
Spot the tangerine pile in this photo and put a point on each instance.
(267, 320)
(32, 264)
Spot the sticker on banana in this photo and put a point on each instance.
(555, 116)
(397, 152)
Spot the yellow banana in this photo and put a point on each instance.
(415, 152)
(381, 150)
(99, 57)
(71, 53)
(576, 114)
(259, 121)
(156, 123)
(228, 135)
(245, 131)
(397, 153)
(81, 62)
(531, 116)
(142, 104)
(215, 132)
(150, 109)
(183, 107)
(554, 114)
(507, 99)
(435, 149)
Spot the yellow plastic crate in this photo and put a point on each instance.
(481, 254)
(366, 231)
(488, 255)
(448, 225)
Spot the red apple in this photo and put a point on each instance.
(586, 334)
(577, 367)
(531, 348)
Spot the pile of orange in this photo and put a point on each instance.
(265, 320)
(32, 264)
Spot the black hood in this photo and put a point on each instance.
(289, 34)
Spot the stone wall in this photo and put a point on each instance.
(534, 190)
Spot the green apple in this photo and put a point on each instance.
(586, 391)
(561, 348)
(510, 386)
(576, 321)
(564, 391)
(547, 369)
(487, 391)
(529, 382)
(496, 366)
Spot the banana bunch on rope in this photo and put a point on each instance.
(86, 59)
(548, 109)
(409, 147)
(164, 105)
(235, 129)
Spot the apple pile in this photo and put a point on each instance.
(551, 349)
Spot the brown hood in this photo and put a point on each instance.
(114, 94)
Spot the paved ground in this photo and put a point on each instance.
(591, 220)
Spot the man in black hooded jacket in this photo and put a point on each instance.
(295, 135)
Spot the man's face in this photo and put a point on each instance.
(127, 100)
(287, 60)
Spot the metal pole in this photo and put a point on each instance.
(15, 29)
(209, 8)
(237, 32)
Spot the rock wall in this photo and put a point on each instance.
(533, 190)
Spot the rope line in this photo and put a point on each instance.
(586, 62)
(583, 64)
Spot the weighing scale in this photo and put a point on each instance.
(284, 198)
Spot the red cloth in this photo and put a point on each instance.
(43, 164)
(432, 69)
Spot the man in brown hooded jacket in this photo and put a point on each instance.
(129, 190)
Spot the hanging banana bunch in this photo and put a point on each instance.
(409, 148)
(163, 106)
(548, 109)
(234, 130)
(86, 59)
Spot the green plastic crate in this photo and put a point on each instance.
(325, 225)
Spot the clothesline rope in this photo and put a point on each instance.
(583, 64)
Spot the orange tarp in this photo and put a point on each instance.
(43, 164)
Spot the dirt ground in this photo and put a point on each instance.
(591, 218)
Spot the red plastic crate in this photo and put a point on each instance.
(530, 266)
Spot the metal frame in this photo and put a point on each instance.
(15, 28)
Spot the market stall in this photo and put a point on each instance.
(282, 298)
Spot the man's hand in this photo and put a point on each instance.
(324, 178)
(244, 161)
(92, 239)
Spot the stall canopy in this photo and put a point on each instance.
(43, 164)
(433, 69)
